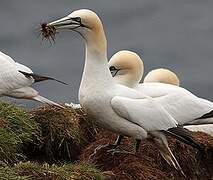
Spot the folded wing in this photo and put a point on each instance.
(143, 112)
(186, 108)
(181, 104)
(10, 77)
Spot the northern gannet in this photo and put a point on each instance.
(16, 79)
(119, 108)
(166, 76)
(162, 75)
(131, 67)
(127, 68)
(162, 92)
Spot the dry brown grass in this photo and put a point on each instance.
(55, 136)
(148, 164)
(64, 132)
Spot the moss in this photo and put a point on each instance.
(9, 146)
(8, 173)
(46, 134)
(30, 170)
(16, 129)
(60, 122)
(18, 120)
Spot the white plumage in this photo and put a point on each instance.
(116, 107)
(16, 79)
(130, 72)
(181, 104)
(163, 86)
(140, 112)
(10, 77)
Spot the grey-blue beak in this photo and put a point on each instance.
(65, 23)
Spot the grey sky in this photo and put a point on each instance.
(172, 34)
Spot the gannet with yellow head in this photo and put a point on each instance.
(166, 76)
(121, 109)
(162, 75)
(126, 68)
(130, 66)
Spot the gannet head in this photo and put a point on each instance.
(163, 76)
(85, 22)
(79, 20)
(126, 68)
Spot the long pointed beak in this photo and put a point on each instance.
(59, 22)
(64, 23)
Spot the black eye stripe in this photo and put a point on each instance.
(77, 19)
(112, 68)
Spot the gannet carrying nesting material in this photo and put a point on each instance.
(131, 71)
(16, 79)
(119, 108)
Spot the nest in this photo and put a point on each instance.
(54, 136)
(64, 132)
(148, 163)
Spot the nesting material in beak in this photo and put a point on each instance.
(48, 32)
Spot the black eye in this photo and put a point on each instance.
(77, 19)
(112, 68)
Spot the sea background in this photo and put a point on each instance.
(172, 34)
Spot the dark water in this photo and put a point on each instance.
(172, 34)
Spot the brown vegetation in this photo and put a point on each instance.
(148, 164)
(67, 140)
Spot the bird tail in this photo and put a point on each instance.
(184, 136)
(200, 121)
(204, 119)
(162, 144)
(47, 101)
(207, 128)
(39, 78)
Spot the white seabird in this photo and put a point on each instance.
(16, 79)
(131, 67)
(201, 112)
(162, 75)
(166, 76)
(127, 68)
(119, 108)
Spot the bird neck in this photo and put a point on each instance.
(126, 80)
(96, 72)
(96, 42)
